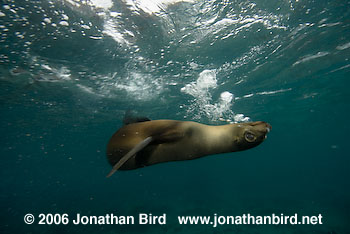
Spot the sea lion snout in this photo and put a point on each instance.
(254, 132)
(261, 126)
(261, 123)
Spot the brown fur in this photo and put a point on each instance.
(180, 140)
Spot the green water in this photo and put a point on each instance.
(69, 70)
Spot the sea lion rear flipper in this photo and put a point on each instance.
(131, 153)
(130, 118)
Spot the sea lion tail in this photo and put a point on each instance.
(132, 152)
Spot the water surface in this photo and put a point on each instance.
(70, 69)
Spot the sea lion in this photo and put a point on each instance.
(145, 142)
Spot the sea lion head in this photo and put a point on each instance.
(251, 134)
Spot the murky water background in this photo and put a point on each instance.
(70, 69)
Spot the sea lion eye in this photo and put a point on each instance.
(250, 137)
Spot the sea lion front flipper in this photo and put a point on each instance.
(131, 153)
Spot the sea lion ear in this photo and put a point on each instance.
(130, 118)
(131, 153)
